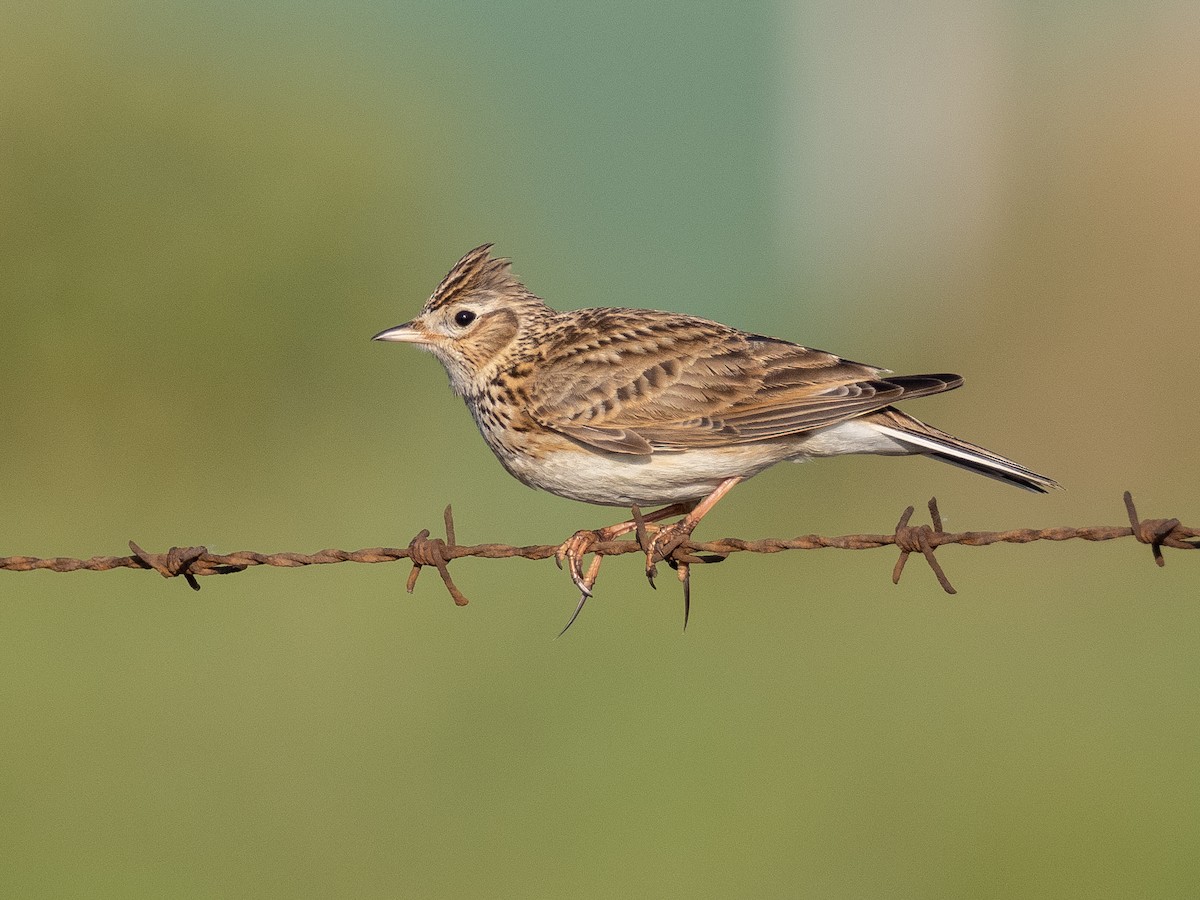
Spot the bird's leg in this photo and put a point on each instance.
(577, 545)
(668, 538)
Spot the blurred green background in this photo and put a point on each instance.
(207, 209)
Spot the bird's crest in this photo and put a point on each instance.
(476, 271)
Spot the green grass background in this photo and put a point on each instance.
(207, 209)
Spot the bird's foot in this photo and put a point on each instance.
(661, 545)
(577, 546)
(573, 550)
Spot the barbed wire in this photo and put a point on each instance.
(193, 562)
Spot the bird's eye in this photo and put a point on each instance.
(463, 318)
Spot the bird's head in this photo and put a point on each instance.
(476, 315)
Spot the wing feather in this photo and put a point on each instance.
(635, 381)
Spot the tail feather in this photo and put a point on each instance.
(930, 441)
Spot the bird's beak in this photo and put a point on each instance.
(408, 333)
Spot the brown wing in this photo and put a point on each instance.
(635, 381)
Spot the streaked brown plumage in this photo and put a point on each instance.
(630, 406)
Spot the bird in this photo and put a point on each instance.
(636, 408)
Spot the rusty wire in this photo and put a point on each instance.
(191, 562)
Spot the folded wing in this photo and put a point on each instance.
(645, 381)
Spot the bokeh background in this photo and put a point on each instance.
(207, 209)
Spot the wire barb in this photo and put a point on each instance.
(922, 539)
(424, 552)
(176, 561)
(1157, 532)
(186, 561)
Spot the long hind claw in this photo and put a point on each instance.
(585, 591)
(685, 577)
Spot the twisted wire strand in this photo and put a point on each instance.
(194, 562)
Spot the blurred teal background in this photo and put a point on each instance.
(207, 209)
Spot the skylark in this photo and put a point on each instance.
(637, 407)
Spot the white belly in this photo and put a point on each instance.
(619, 479)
